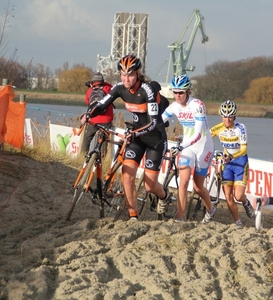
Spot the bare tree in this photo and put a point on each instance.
(4, 25)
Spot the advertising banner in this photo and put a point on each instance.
(64, 139)
(28, 137)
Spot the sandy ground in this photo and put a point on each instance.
(42, 256)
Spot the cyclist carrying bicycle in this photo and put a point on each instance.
(197, 145)
(148, 136)
(233, 138)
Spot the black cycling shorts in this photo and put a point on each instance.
(154, 155)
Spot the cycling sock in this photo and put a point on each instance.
(133, 214)
(180, 219)
(211, 210)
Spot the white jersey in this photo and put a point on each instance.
(193, 119)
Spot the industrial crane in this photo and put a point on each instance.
(179, 58)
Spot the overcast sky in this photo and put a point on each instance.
(51, 32)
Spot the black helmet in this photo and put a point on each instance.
(129, 63)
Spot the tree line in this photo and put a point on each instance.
(249, 80)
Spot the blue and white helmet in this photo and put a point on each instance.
(181, 82)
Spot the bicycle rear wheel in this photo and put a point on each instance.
(81, 186)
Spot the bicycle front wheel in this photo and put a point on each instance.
(81, 187)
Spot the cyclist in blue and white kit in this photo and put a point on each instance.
(233, 138)
(197, 146)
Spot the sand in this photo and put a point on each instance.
(42, 256)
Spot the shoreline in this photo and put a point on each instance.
(244, 109)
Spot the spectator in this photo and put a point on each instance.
(98, 88)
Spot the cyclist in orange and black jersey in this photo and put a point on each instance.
(148, 136)
(142, 103)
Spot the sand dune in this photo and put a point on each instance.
(42, 256)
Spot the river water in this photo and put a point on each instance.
(260, 130)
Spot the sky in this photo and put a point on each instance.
(52, 32)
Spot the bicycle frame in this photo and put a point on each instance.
(214, 178)
(215, 175)
(172, 171)
(93, 166)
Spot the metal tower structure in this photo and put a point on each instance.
(129, 35)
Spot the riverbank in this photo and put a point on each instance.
(244, 109)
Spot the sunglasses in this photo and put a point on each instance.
(179, 93)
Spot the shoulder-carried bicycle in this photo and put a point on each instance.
(107, 192)
(213, 185)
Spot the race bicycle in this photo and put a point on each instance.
(213, 185)
(171, 176)
(106, 192)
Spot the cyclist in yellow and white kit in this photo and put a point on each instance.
(197, 146)
(233, 138)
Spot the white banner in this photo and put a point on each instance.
(28, 137)
(260, 182)
(64, 139)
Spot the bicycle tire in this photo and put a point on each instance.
(114, 207)
(258, 221)
(189, 205)
(142, 195)
(171, 211)
(123, 212)
(79, 190)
